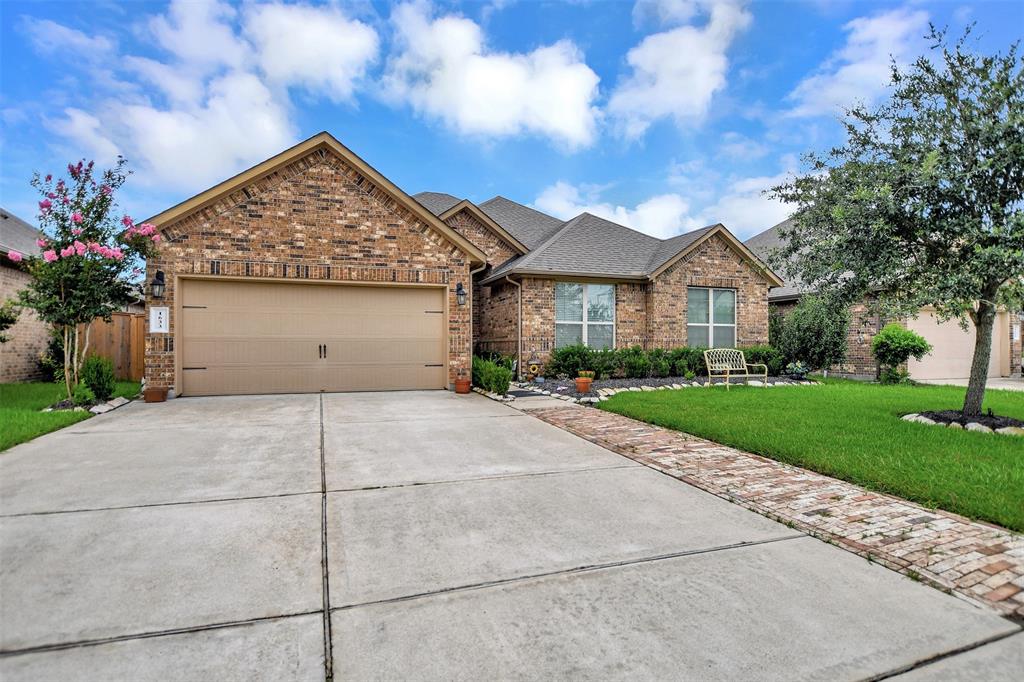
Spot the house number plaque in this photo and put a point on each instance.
(159, 320)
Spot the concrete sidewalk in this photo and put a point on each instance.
(423, 536)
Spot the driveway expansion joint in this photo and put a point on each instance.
(244, 498)
(328, 642)
(977, 562)
(925, 662)
(60, 646)
(575, 570)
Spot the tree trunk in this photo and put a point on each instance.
(67, 364)
(984, 319)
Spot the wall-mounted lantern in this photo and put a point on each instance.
(156, 287)
(460, 294)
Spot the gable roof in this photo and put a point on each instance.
(590, 246)
(528, 225)
(764, 244)
(320, 141)
(17, 235)
(436, 202)
(474, 210)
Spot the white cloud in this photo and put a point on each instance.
(444, 69)
(739, 147)
(316, 48)
(676, 73)
(661, 216)
(701, 199)
(859, 71)
(219, 100)
(50, 38)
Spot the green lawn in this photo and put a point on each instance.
(20, 406)
(852, 431)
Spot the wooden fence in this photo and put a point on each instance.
(123, 340)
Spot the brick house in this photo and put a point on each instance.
(313, 272)
(19, 357)
(953, 347)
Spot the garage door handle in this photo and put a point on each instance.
(325, 351)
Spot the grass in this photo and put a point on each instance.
(853, 431)
(20, 406)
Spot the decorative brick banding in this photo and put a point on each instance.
(974, 560)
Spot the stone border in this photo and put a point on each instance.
(494, 396)
(976, 561)
(603, 394)
(970, 426)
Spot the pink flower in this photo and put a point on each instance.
(67, 251)
(45, 205)
(49, 256)
(76, 217)
(127, 221)
(79, 248)
(77, 231)
(14, 256)
(156, 239)
(65, 201)
(94, 247)
(41, 243)
(105, 189)
(51, 195)
(49, 177)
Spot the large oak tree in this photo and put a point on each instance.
(924, 202)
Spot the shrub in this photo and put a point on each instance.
(491, 376)
(98, 374)
(688, 360)
(815, 331)
(569, 360)
(766, 355)
(635, 362)
(893, 346)
(776, 322)
(660, 364)
(605, 363)
(83, 396)
(797, 370)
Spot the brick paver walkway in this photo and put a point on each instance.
(977, 561)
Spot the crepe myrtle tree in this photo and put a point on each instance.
(922, 204)
(89, 255)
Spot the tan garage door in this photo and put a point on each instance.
(269, 337)
(953, 348)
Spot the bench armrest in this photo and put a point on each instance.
(757, 364)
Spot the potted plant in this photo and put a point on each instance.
(583, 381)
(462, 384)
(154, 395)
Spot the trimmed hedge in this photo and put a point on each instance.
(491, 376)
(633, 362)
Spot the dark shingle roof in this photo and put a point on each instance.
(530, 226)
(589, 245)
(17, 235)
(436, 202)
(764, 245)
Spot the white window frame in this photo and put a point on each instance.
(711, 324)
(585, 321)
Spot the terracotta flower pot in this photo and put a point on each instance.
(462, 385)
(583, 384)
(155, 395)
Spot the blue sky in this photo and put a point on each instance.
(665, 115)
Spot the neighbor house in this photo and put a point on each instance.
(952, 346)
(313, 272)
(28, 338)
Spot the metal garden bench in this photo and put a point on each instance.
(729, 363)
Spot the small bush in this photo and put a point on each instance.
(893, 346)
(814, 332)
(569, 360)
(98, 374)
(797, 370)
(83, 396)
(686, 359)
(605, 363)
(660, 364)
(766, 355)
(635, 363)
(491, 376)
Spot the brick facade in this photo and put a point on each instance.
(28, 338)
(317, 218)
(647, 314)
(498, 251)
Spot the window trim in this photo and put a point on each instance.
(585, 322)
(711, 324)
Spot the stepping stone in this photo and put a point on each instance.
(980, 428)
(1011, 431)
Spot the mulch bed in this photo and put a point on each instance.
(568, 387)
(992, 421)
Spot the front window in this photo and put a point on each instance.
(584, 313)
(711, 317)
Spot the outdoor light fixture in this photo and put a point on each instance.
(156, 287)
(460, 294)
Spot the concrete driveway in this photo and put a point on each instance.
(446, 537)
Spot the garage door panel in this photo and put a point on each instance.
(261, 337)
(953, 348)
